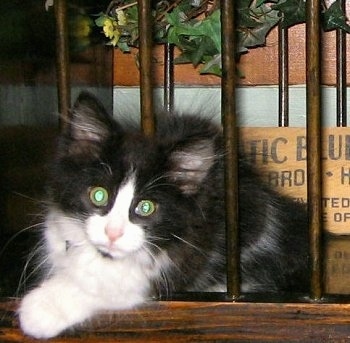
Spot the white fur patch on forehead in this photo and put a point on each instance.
(124, 197)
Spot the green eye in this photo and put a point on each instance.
(98, 196)
(145, 208)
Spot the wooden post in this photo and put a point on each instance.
(62, 62)
(146, 84)
(231, 143)
(313, 94)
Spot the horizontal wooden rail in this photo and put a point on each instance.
(203, 322)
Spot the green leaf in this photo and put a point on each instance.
(100, 21)
(260, 2)
(335, 18)
(123, 46)
(265, 19)
(291, 11)
(244, 4)
(196, 39)
(205, 47)
(211, 27)
(183, 58)
(132, 14)
(212, 66)
(244, 18)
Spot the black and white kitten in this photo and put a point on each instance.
(132, 216)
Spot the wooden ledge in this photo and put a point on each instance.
(203, 322)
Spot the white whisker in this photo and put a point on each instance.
(35, 252)
(162, 272)
(154, 180)
(153, 183)
(189, 244)
(155, 245)
(24, 276)
(12, 238)
(157, 238)
(107, 168)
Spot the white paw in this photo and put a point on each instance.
(40, 316)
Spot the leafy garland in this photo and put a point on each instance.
(194, 25)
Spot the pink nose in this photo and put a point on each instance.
(113, 232)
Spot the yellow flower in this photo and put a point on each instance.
(116, 36)
(121, 17)
(81, 26)
(109, 27)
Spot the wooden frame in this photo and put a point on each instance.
(203, 322)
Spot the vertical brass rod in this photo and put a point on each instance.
(231, 146)
(62, 61)
(341, 98)
(168, 77)
(146, 90)
(313, 96)
(283, 73)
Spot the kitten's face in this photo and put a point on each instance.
(129, 191)
(114, 198)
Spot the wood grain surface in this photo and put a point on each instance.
(203, 322)
(259, 66)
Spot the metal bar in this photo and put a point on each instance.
(231, 144)
(283, 72)
(168, 77)
(62, 61)
(146, 90)
(341, 98)
(314, 179)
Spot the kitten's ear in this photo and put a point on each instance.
(90, 121)
(89, 126)
(190, 164)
